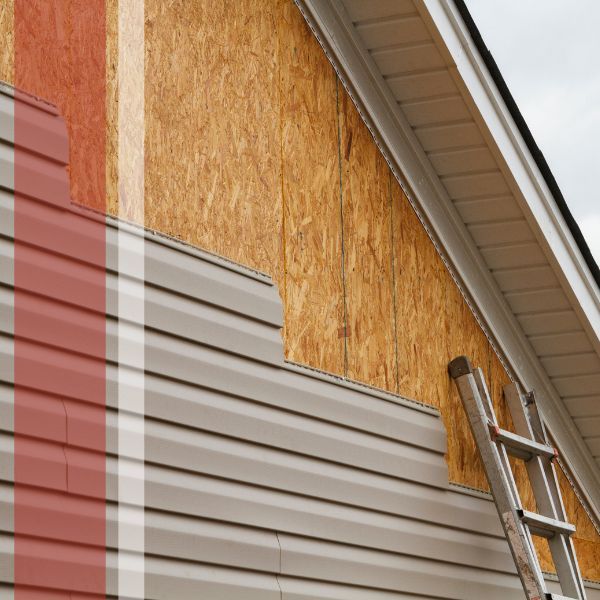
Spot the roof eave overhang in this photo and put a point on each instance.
(536, 198)
(395, 137)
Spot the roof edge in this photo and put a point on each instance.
(529, 140)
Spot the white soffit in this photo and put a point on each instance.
(437, 115)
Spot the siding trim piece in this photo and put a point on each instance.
(410, 165)
(158, 238)
(363, 388)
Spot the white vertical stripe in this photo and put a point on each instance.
(131, 476)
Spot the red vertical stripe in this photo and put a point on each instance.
(60, 291)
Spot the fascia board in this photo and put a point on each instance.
(395, 137)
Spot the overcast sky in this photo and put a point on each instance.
(549, 54)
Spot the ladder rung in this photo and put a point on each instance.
(519, 446)
(557, 597)
(544, 526)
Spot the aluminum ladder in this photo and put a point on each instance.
(529, 444)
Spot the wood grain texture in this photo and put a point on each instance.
(370, 330)
(212, 127)
(418, 277)
(312, 281)
(587, 537)
(7, 56)
(112, 107)
(60, 56)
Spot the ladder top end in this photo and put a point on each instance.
(459, 366)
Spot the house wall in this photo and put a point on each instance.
(262, 480)
(255, 151)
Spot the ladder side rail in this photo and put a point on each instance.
(551, 475)
(545, 499)
(517, 504)
(500, 479)
(546, 491)
(502, 452)
(538, 426)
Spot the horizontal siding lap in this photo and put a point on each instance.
(408, 574)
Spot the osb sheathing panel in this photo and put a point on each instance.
(367, 253)
(7, 59)
(587, 537)
(112, 107)
(213, 147)
(60, 57)
(310, 180)
(419, 275)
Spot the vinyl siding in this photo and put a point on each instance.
(263, 480)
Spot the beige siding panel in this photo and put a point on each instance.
(339, 484)
(594, 441)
